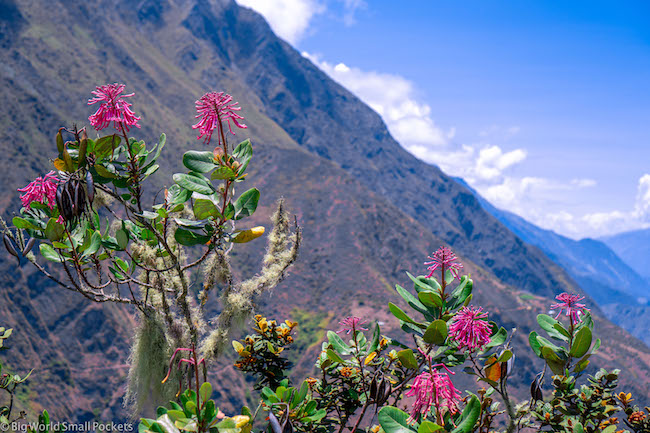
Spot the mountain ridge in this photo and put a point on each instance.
(363, 226)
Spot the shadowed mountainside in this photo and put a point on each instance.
(369, 209)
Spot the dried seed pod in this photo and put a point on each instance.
(10, 246)
(387, 393)
(29, 246)
(90, 186)
(275, 424)
(535, 389)
(373, 388)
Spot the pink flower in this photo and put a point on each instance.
(351, 324)
(212, 109)
(445, 260)
(40, 189)
(433, 389)
(569, 303)
(112, 108)
(469, 329)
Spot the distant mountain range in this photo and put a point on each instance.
(598, 269)
(370, 210)
(634, 248)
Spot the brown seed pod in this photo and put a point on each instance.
(535, 389)
(29, 246)
(10, 246)
(90, 186)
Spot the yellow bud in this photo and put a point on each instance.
(241, 420)
(248, 235)
(238, 346)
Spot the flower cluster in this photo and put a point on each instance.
(470, 328)
(39, 190)
(569, 304)
(112, 108)
(433, 390)
(445, 260)
(212, 109)
(351, 324)
(259, 353)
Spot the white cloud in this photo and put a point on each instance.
(484, 165)
(349, 9)
(492, 161)
(289, 19)
(606, 223)
(394, 98)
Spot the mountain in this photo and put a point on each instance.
(369, 209)
(617, 288)
(634, 248)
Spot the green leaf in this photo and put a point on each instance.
(150, 170)
(222, 173)
(401, 315)
(544, 342)
(424, 283)
(247, 203)
(407, 358)
(201, 162)
(436, 332)
(553, 360)
(205, 208)
(54, 231)
(243, 152)
(192, 224)
(430, 299)
(547, 323)
(411, 300)
(596, 346)
(190, 238)
(95, 243)
(49, 253)
(122, 238)
(429, 427)
(193, 183)
(229, 212)
(334, 357)
(299, 396)
(177, 195)
(469, 416)
(205, 392)
(581, 343)
(22, 223)
(338, 343)
(394, 420)
(534, 344)
(498, 338)
(506, 355)
(104, 146)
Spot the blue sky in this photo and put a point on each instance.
(543, 107)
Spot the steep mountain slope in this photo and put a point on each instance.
(329, 121)
(615, 286)
(634, 248)
(313, 141)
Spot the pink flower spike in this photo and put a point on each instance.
(470, 329)
(446, 260)
(214, 108)
(351, 324)
(40, 189)
(433, 390)
(569, 303)
(112, 108)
